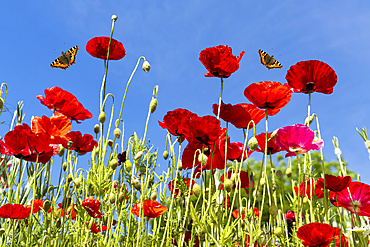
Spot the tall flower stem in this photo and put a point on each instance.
(155, 92)
(220, 99)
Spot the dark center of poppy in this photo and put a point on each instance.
(310, 86)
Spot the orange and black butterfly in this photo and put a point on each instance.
(66, 59)
(269, 61)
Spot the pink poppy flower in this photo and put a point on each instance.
(298, 139)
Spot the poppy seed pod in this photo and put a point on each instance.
(117, 133)
(138, 155)
(253, 143)
(153, 105)
(146, 66)
(128, 165)
(102, 117)
(96, 128)
(165, 154)
(196, 190)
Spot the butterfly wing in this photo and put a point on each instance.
(269, 61)
(66, 60)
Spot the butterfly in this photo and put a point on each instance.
(269, 61)
(66, 59)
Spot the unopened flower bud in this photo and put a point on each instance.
(64, 166)
(69, 178)
(278, 231)
(337, 151)
(273, 210)
(128, 165)
(233, 178)
(202, 158)
(77, 182)
(136, 184)
(2, 230)
(138, 155)
(1, 103)
(112, 198)
(263, 181)
(153, 105)
(117, 133)
(305, 200)
(113, 164)
(46, 206)
(228, 184)
(110, 143)
(196, 190)
(288, 172)
(61, 150)
(165, 154)
(96, 128)
(146, 66)
(308, 120)
(114, 17)
(279, 173)
(121, 197)
(69, 144)
(154, 196)
(142, 169)
(367, 144)
(102, 117)
(179, 165)
(253, 143)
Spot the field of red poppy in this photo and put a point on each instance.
(211, 193)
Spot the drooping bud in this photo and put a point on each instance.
(128, 165)
(1, 103)
(196, 190)
(179, 165)
(288, 172)
(146, 66)
(117, 133)
(165, 154)
(112, 198)
(253, 143)
(102, 117)
(113, 164)
(61, 150)
(110, 143)
(96, 128)
(69, 178)
(154, 196)
(138, 155)
(263, 181)
(153, 105)
(64, 166)
(228, 184)
(136, 183)
(308, 120)
(77, 182)
(233, 178)
(202, 158)
(46, 205)
(121, 197)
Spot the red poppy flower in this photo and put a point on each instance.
(181, 186)
(272, 148)
(14, 211)
(317, 234)
(64, 102)
(244, 180)
(81, 144)
(152, 209)
(95, 228)
(92, 207)
(311, 76)
(336, 183)
(98, 47)
(235, 151)
(56, 126)
(268, 94)
(23, 143)
(239, 115)
(290, 217)
(360, 194)
(317, 191)
(220, 61)
(69, 211)
(256, 213)
(203, 130)
(174, 121)
(37, 206)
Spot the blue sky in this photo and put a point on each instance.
(171, 34)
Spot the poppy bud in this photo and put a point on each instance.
(112, 198)
(279, 173)
(273, 210)
(121, 197)
(154, 196)
(233, 177)
(256, 193)
(228, 184)
(61, 150)
(64, 166)
(45, 239)
(77, 182)
(202, 158)
(136, 183)
(46, 206)
(69, 178)
(305, 200)
(113, 164)
(58, 223)
(117, 133)
(179, 165)
(165, 155)
(102, 117)
(151, 180)
(308, 120)
(273, 187)
(263, 181)
(337, 151)
(114, 17)
(2, 230)
(196, 190)
(69, 144)
(288, 172)
(146, 66)
(66, 202)
(253, 143)
(142, 169)
(153, 105)
(367, 144)
(128, 165)
(278, 230)
(138, 155)
(1, 103)
(96, 128)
